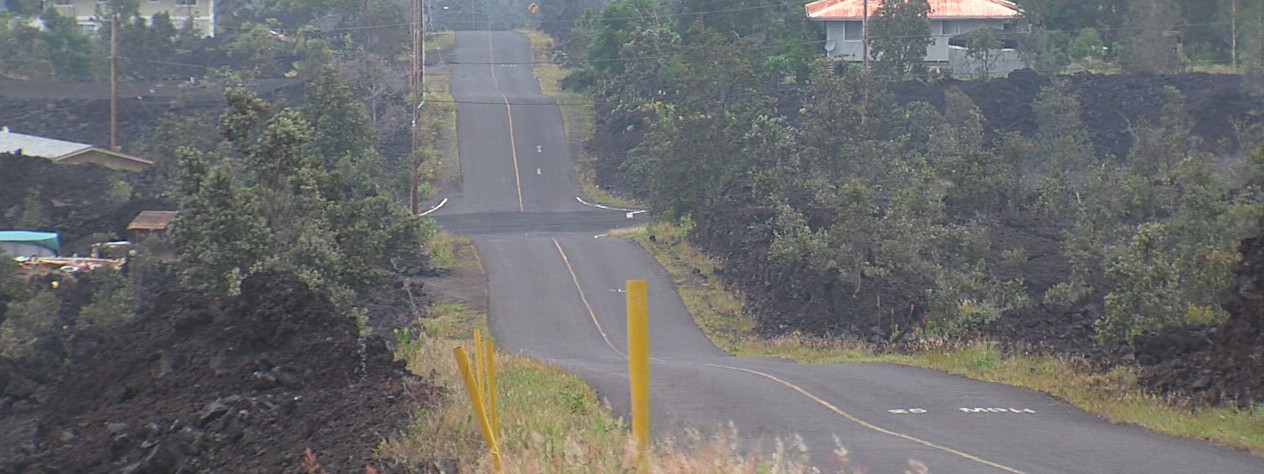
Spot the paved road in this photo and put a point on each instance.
(555, 296)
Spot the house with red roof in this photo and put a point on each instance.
(844, 24)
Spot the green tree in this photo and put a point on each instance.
(221, 234)
(1064, 150)
(259, 48)
(342, 132)
(981, 49)
(12, 287)
(1086, 44)
(613, 28)
(26, 54)
(653, 68)
(113, 301)
(1147, 294)
(1152, 45)
(69, 50)
(834, 127)
(32, 210)
(26, 321)
(899, 34)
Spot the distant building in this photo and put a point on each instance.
(150, 228)
(200, 12)
(68, 153)
(23, 243)
(151, 224)
(844, 30)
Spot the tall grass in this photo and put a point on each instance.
(439, 111)
(449, 252)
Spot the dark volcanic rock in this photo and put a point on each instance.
(1219, 365)
(178, 390)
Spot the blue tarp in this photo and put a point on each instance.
(47, 240)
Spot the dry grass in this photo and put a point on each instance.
(1114, 395)
(578, 115)
(721, 314)
(440, 40)
(439, 110)
(450, 252)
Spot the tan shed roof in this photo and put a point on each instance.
(939, 9)
(153, 220)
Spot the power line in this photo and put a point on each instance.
(598, 19)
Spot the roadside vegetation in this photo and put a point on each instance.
(439, 161)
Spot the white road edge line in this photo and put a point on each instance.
(608, 208)
(441, 203)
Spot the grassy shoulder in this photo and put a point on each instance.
(1114, 395)
(551, 421)
(443, 164)
(578, 115)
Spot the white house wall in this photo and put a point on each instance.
(202, 13)
(937, 51)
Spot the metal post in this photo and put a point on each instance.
(639, 367)
(480, 412)
(490, 347)
(416, 86)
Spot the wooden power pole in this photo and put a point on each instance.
(416, 84)
(864, 33)
(114, 32)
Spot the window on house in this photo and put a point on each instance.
(949, 28)
(64, 3)
(853, 30)
(186, 2)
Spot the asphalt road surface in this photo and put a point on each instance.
(556, 295)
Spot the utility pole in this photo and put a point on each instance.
(114, 32)
(864, 49)
(1233, 33)
(864, 32)
(417, 86)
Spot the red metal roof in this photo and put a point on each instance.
(851, 9)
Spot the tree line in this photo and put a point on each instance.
(867, 192)
(256, 39)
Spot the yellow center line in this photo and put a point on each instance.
(583, 298)
(811, 396)
(513, 146)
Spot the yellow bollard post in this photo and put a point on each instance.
(471, 386)
(478, 359)
(491, 388)
(639, 366)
